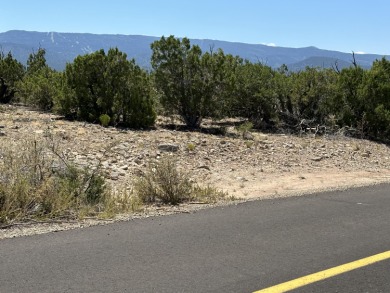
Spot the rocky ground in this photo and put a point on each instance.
(261, 166)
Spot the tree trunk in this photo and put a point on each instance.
(192, 120)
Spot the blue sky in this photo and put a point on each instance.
(343, 25)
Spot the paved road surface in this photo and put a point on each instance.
(241, 248)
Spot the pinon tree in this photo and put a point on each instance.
(255, 94)
(312, 91)
(41, 85)
(184, 77)
(348, 101)
(36, 62)
(107, 84)
(376, 99)
(11, 72)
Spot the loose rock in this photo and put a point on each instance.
(316, 159)
(168, 148)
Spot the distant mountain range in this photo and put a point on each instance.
(64, 47)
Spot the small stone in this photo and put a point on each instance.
(2, 133)
(316, 159)
(114, 176)
(168, 147)
(105, 164)
(248, 136)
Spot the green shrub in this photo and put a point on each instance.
(104, 120)
(245, 128)
(191, 147)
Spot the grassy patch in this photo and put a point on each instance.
(208, 194)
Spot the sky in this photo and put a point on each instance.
(342, 25)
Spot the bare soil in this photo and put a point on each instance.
(265, 166)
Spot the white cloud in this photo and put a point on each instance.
(360, 52)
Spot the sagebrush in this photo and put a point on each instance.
(164, 182)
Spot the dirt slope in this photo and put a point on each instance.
(264, 166)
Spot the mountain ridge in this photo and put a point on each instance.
(62, 48)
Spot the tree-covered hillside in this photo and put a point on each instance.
(62, 48)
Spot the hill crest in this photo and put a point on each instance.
(64, 47)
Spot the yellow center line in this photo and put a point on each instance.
(306, 280)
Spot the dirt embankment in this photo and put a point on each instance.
(265, 166)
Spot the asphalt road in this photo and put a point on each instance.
(240, 248)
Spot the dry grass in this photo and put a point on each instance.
(165, 183)
(37, 181)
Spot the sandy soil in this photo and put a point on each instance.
(306, 182)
